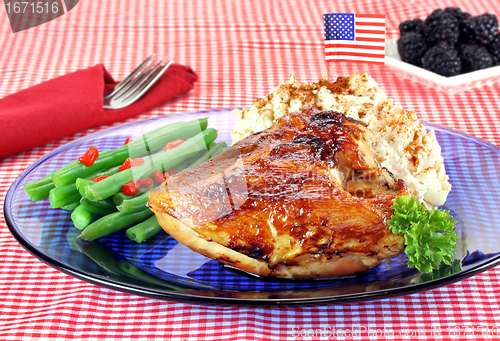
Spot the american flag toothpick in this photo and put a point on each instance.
(355, 37)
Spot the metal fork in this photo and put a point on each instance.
(136, 84)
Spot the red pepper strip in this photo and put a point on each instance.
(173, 144)
(127, 141)
(158, 177)
(131, 163)
(129, 188)
(89, 157)
(143, 183)
(132, 187)
(126, 164)
(100, 178)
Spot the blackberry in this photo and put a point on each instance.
(412, 47)
(411, 26)
(474, 57)
(480, 29)
(457, 13)
(494, 49)
(442, 59)
(441, 26)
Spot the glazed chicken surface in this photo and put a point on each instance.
(306, 198)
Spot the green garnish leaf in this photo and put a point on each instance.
(443, 271)
(429, 236)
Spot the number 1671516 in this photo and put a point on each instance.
(32, 7)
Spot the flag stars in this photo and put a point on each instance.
(339, 26)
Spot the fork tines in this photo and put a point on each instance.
(137, 83)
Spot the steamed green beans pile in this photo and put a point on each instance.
(95, 192)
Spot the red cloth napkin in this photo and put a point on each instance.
(71, 103)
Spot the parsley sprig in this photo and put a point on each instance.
(429, 235)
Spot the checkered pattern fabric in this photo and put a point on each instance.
(241, 50)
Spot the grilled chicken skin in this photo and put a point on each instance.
(305, 198)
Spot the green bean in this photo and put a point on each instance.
(217, 149)
(81, 184)
(81, 217)
(41, 192)
(188, 161)
(102, 207)
(159, 161)
(107, 172)
(222, 146)
(144, 230)
(71, 207)
(158, 138)
(112, 185)
(148, 143)
(39, 189)
(63, 195)
(114, 222)
(134, 204)
(33, 184)
(68, 175)
(60, 195)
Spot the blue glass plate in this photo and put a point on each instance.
(164, 269)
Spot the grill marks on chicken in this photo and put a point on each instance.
(304, 198)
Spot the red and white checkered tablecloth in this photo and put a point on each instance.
(241, 50)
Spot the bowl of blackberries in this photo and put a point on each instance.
(450, 49)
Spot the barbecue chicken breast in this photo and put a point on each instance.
(306, 198)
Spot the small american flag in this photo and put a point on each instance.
(355, 37)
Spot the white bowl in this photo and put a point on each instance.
(450, 85)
